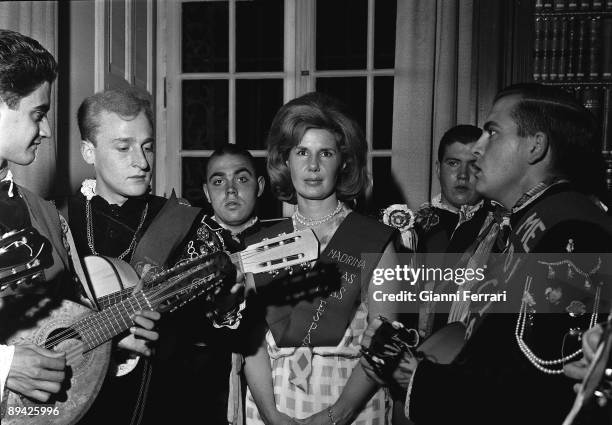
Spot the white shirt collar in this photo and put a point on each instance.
(9, 178)
(245, 226)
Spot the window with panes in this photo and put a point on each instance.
(239, 61)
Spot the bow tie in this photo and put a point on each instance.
(502, 218)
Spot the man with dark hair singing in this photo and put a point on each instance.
(539, 158)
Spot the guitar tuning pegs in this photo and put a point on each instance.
(9, 234)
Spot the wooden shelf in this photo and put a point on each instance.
(569, 14)
(599, 100)
(577, 83)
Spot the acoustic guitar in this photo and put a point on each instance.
(282, 251)
(85, 335)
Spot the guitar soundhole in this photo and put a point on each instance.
(68, 341)
(62, 339)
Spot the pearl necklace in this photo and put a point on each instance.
(90, 237)
(539, 363)
(305, 221)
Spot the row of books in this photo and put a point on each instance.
(572, 5)
(598, 100)
(572, 48)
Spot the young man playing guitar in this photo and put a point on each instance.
(539, 158)
(110, 215)
(116, 216)
(27, 73)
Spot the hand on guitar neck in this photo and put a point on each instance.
(228, 300)
(143, 334)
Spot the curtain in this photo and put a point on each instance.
(435, 88)
(36, 19)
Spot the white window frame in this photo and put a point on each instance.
(299, 78)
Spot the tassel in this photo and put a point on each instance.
(409, 240)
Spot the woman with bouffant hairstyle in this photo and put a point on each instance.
(304, 365)
(293, 120)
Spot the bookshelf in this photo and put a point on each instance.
(572, 48)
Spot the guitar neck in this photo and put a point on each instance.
(281, 252)
(168, 287)
(115, 297)
(116, 318)
(176, 290)
(236, 259)
(103, 326)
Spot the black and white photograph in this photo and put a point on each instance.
(306, 212)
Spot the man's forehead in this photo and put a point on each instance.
(118, 127)
(459, 150)
(229, 164)
(106, 115)
(503, 106)
(38, 99)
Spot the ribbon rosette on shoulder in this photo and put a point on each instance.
(402, 218)
(88, 188)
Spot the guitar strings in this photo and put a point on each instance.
(243, 255)
(97, 319)
(101, 318)
(75, 352)
(70, 354)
